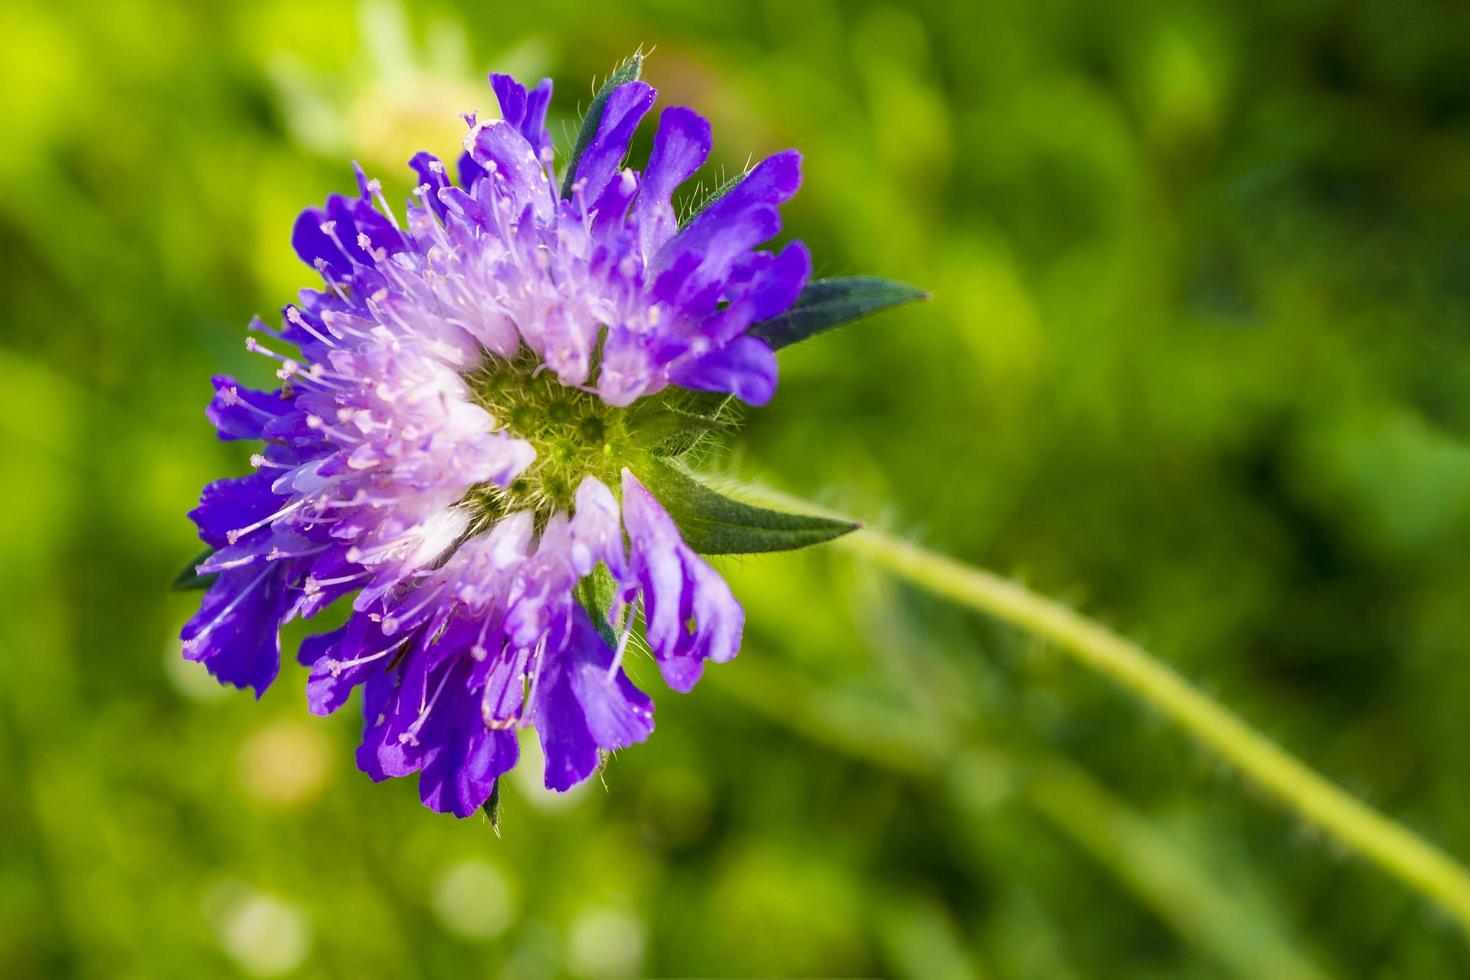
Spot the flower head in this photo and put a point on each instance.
(462, 411)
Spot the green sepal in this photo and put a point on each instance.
(596, 593)
(828, 303)
(628, 71)
(724, 188)
(673, 434)
(491, 807)
(672, 423)
(713, 524)
(189, 578)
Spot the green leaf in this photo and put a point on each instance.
(628, 71)
(713, 524)
(828, 303)
(189, 579)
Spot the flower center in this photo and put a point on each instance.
(575, 434)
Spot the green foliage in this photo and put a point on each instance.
(713, 524)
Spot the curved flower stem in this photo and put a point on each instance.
(1354, 824)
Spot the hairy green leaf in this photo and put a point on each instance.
(828, 303)
(628, 71)
(713, 524)
(724, 188)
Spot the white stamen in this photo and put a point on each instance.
(411, 736)
(337, 666)
(238, 533)
(198, 638)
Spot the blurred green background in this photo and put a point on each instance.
(1198, 361)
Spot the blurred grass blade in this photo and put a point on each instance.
(829, 303)
(713, 524)
(1147, 861)
(1187, 896)
(628, 71)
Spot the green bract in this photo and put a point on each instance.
(828, 303)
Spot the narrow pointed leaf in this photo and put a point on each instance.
(628, 71)
(713, 524)
(828, 303)
(189, 578)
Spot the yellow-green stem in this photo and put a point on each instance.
(1349, 821)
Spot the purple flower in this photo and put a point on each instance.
(461, 413)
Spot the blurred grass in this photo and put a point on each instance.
(1197, 361)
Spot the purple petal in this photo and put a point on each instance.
(582, 708)
(678, 587)
(540, 601)
(680, 147)
(461, 777)
(746, 368)
(655, 545)
(296, 333)
(314, 245)
(234, 633)
(504, 690)
(319, 645)
(702, 257)
(533, 127)
(278, 545)
(627, 369)
(355, 217)
(511, 95)
(497, 145)
(232, 504)
(242, 413)
(399, 740)
(612, 207)
(343, 659)
(469, 171)
(595, 532)
(431, 172)
(776, 282)
(770, 183)
(625, 107)
(464, 757)
(526, 112)
(779, 285)
(378, 695)
(719, 619)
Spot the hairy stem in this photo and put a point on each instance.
(1346, 819)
